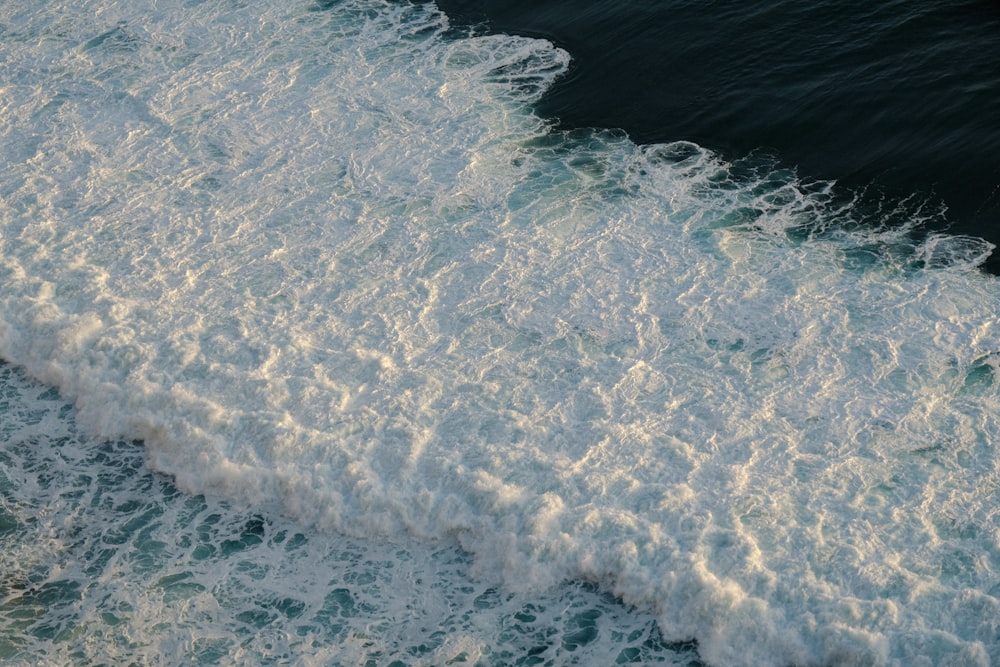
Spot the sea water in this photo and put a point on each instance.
(897, 98)
(324, 348)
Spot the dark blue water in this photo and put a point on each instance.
(893, 99)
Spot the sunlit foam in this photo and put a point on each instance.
(327, 262)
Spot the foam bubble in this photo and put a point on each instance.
(105, 561)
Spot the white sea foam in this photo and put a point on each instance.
(104, 562)
(327, 261)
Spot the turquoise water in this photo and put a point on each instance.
(324, 348)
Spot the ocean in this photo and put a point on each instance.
(357, 332)
(894, 99)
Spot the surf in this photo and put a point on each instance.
(326, 262)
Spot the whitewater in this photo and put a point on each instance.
(324, 348)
